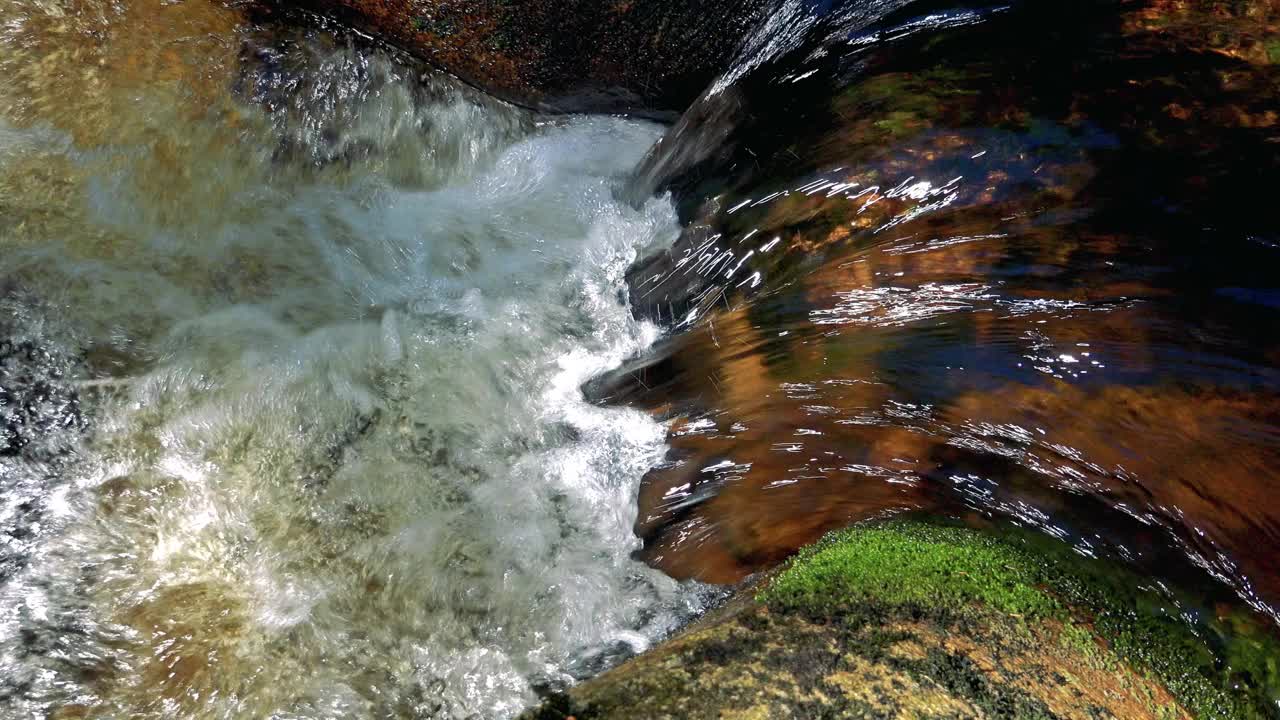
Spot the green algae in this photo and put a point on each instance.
(952, 573)
(931, 567)
(1273, 50)
(904, 104)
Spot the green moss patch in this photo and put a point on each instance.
(954, 574)
(913, 565)
(1273, 50)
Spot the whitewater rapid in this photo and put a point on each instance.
(321, 449)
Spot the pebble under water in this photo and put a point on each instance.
(293, 342)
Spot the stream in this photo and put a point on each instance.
(300, 336)
(331, 387)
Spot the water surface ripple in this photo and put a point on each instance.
(921, 271)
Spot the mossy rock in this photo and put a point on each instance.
(914, 620)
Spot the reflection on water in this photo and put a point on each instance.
(292, 341)
(960, 285)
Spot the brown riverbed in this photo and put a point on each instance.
(1003, 274)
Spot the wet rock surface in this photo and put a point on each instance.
(913, 621)
(650, 57)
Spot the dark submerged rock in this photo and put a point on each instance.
(648, 57)
(1100, 148)
(1166, 97)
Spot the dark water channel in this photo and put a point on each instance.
(1017, 264)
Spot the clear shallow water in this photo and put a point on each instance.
(294, 346)
(922, 273)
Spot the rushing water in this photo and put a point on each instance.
(293, 341)
(293, 336)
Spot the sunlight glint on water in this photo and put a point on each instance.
(328, 335)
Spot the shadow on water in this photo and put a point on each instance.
(1011, 263)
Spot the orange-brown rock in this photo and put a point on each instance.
(650, 57)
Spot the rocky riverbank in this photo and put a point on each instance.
(911, 620)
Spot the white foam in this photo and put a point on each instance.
(361, 440)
